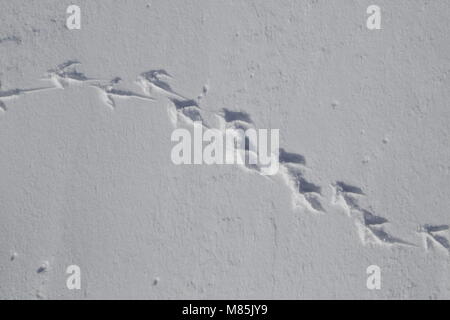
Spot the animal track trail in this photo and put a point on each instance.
(155, 82)
(187, 111)
(371, 230)
(289, 157)
(109, 93)
(305, 194)
(348, 189)
(6, 95)
(181, 108)
(66, 74)
(236, 117)
(346, 196)
(233, 122)
(370, 227)
(436, 237)
(372, 220)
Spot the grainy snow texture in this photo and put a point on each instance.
(86, 177)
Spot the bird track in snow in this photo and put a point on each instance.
(305, 194)
(109, 92)
(66, 74)
(10, 94)
(436, 237)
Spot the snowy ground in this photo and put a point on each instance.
(86, 176)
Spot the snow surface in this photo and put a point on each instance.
(86, 176)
